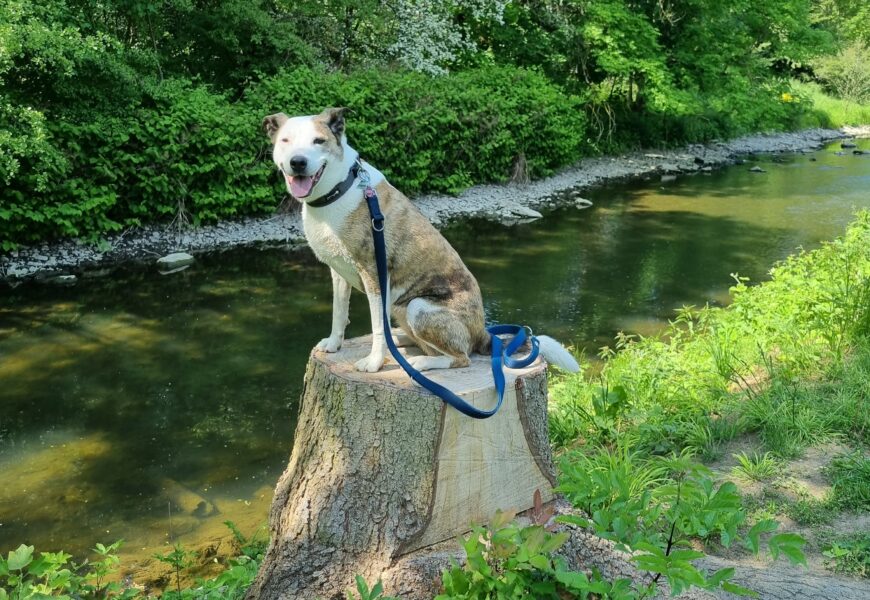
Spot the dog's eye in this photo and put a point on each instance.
(319, 141)
(285, 140)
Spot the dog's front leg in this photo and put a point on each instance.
(375, 360)
(340, 306)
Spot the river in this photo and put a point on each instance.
(153, 408)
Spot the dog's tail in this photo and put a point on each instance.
(556, 354)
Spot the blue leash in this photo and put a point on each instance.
(500, 355)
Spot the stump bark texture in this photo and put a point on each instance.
(380, 468)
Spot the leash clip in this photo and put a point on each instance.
(375, 223)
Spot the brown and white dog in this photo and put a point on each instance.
(432, 295)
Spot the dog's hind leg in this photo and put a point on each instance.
(442, 336)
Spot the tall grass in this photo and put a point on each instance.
(788, 359)
(828, 111)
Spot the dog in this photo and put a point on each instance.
(432, 294)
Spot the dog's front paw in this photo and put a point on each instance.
(330, 344)
(370, 364)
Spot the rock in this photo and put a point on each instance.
(848, 145)
(655, 156)
(860, 152)
(699, 160)
(756, 169)
(63, 280)
(813, 159)
(174, 261)
(523, 211)
(582, 203)
(669, 168)
(667, 178)
(707, 169)
(16, 272)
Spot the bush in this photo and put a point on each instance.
(194, 155)
(847, 74)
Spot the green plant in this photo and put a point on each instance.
(26, 577)
(757, 468)
(849, 555)
(850, 477)
(179, 559)
(364, 593)
(505, 560)
(657, 505)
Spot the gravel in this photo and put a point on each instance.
(504, 203)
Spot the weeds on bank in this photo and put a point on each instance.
(849, 555)
(25, 576)
(789, 359)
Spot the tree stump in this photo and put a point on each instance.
(381, 468)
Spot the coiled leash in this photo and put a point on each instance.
(501, 355)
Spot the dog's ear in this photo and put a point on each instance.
(334, 118)
(272, 124)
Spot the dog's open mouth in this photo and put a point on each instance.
(301, 185)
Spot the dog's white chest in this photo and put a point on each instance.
(324, 237)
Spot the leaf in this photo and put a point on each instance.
(753, 537)
(733, 588)
(720, 576)
(573, 520)
(20, 558)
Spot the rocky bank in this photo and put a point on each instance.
(509, 202)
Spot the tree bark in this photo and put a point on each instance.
(381, 468)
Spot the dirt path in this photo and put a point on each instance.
(801, 479)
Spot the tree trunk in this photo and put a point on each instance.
(380, 468)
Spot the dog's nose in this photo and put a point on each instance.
(298, 163)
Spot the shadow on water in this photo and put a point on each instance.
(129, 397)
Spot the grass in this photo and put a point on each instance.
(850, 477)
(849, 555)
(788, 361)
(828, 111)
(756, 468)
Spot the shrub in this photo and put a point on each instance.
(195, 155)
(847, 74)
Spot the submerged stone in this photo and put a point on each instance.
(757, 169)
(174, 261)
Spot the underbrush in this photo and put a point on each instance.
(827, 110)
(192, 155)
(788, 361)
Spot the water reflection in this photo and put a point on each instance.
(153, 408)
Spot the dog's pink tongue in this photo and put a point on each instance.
(300, 185)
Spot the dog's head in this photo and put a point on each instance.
(310, 151)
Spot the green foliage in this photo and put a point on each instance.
(362, 588)
(850, 477)
(828, 111)
(24, 576)
(506, 560)
(196, 156)
(847, 74)
(788, 358)
(850, 555)
(655, 506)
(755, 467)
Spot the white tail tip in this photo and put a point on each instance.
(556, 354)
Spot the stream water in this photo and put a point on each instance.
(153, 408)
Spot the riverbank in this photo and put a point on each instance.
(511, 202)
